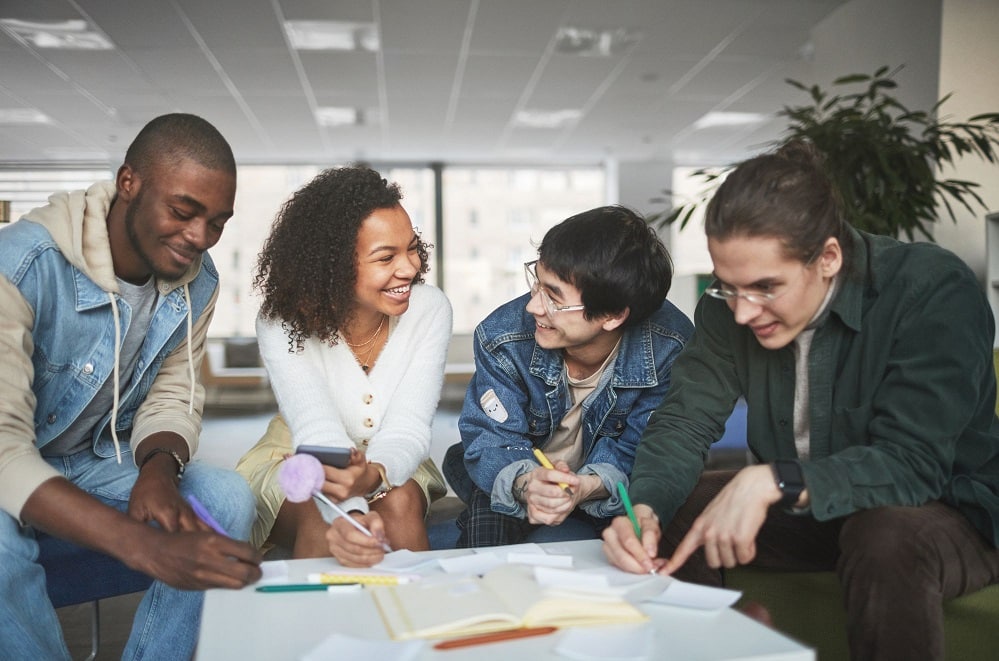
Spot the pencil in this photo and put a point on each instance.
(543, 460)
(494, 637)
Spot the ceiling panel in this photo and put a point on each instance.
(341, 72)
(426, 26)
(260, 70)
(140, 23)
(536, 24)
(327, 10)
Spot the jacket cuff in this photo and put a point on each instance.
(609, 475)
(501, 498)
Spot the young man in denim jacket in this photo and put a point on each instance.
(107, 294)
(574, 368)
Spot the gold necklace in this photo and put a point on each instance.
(366, 363)
(369, 340)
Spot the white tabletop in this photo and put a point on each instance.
(245, 624)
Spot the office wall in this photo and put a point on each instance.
(969, 51)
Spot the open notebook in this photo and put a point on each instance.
(507, 597)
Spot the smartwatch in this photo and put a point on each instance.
(790, 481)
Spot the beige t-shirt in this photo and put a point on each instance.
(567, 440)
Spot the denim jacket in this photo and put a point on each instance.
(58, 341)
(532, 396)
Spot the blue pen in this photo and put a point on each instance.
(206, 516)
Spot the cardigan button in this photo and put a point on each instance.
(367, 398)
(368, 422)
(364, 442)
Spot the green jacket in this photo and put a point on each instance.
(902, 393)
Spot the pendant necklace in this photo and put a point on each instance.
(370, 343)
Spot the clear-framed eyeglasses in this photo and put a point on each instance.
(531, 274)
(757, 298)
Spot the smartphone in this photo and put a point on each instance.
(330, 456)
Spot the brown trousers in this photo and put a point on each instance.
(896, 565)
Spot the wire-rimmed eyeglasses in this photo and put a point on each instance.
(531, 274)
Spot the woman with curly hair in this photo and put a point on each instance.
(355, 345)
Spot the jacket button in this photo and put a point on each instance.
(367, 398)
(88, 368)
(368, 422)
(783, 423)
(51, 419)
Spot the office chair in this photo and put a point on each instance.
(75, 575)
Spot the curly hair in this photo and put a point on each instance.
(307, 268)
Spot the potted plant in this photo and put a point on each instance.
(882, 156)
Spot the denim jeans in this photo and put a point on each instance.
(167, 620)
(896, 566)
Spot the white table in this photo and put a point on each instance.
(245, 624)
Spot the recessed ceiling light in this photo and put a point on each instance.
(594, 43)
(23, 116)
(713, 119)
(332, 35)
(65, 35)
(338, 116)
(546, 119)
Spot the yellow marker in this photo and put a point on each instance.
(543, 460)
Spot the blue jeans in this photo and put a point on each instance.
(167, 621)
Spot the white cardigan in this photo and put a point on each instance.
(327, 399)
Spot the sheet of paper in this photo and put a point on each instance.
(539, 559)
(632, 641)
(274, 571)
(339, 646)
(405, 560)
(527, 547)
(473, 563)
(691, 595)
(566, 579)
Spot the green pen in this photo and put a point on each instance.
(301, 587)
(629, 509)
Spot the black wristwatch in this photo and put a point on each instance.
(790, 481)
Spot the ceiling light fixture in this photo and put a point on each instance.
(332, 35)
(546, 119)
(333, 116)
(594, 43)
(731, 119)
(65, 35)
(23, 116)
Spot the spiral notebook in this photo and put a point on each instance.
(507, 597)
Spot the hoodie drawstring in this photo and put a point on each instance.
(190, 351)
(117, 359)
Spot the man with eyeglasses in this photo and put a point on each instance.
(865, 364)
(573, 368)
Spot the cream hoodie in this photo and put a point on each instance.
(77, 222)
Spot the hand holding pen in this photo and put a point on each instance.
(631, 542)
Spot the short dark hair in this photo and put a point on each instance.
(614, 258)
(307, 268)
(178, 136)
(784, 194)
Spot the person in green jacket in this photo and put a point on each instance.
(866, 366)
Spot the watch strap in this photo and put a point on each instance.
(790, 480)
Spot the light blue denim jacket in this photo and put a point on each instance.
(529, 383)
(60, 317)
